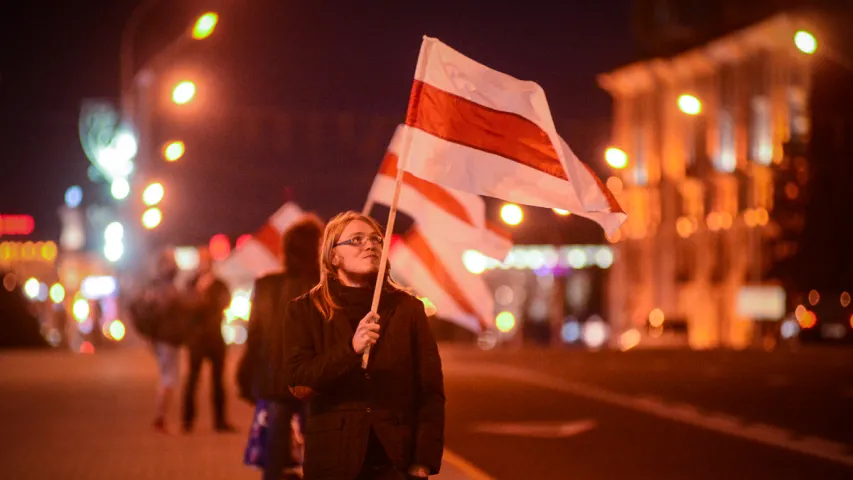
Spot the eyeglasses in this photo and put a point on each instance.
(360, 241)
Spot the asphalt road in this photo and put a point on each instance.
(652, 414)
(527, 414)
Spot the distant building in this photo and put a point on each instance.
(716, 200)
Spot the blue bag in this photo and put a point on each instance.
(257, 446)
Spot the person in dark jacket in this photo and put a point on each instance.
(382, 422)
(204, 341)
(257, 373)
(160, 315)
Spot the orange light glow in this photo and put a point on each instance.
(814, 297)
(616, 158)
(87, 347)
(656, 318)
(174, 150)
(808, 320)
(205, 25)
(219, 246)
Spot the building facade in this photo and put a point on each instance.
(705, 132)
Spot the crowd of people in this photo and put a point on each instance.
(323, 408)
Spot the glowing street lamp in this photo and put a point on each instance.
(805, 42)
(205, 25)
(616, 158)
(151, 218)
(174, 150)
(511, 214)
(689, 105)
(183, 92)
(153, 194)
(120, 188)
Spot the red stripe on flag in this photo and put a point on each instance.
(431, 191)
(459, 120)
(418, 245)
(269, 237)
(611, 200)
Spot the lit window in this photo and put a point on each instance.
(798, 111)
(760, 134)
(726, 160)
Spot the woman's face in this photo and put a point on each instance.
(357, 250)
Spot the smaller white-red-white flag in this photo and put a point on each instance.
(432, 266)
(460, 217)
(475, 129)
(261, 254)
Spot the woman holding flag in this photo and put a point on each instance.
(383, 419)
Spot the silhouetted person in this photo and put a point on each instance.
(205, 342)
(159, 313)
(259, 373)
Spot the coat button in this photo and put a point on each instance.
(368, 409)
(367, 375)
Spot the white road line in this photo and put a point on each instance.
(548, 430)
(466, 467)
(762, 434)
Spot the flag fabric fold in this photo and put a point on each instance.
(261, 254)
(474, 129)
(433, 267)
(459, 217)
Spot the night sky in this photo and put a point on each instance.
(284, 56)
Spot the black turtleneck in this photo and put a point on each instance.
(355, 302)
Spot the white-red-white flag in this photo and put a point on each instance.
(459, 217)
(475, 129)
(261, 254)
(433, 267)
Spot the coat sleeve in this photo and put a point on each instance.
(304, 365)
(429, 435)
(251, 354)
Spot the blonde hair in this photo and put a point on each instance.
(321, 296)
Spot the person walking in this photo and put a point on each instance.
(159, 314)
(262, 356)
(205, 342)
(382, 422)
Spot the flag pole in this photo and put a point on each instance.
(368, 206)
(420, 70)
(389, 230)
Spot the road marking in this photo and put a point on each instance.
(466, 467)
(766, 435)
(538, 429)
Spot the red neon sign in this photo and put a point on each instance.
(16, 225)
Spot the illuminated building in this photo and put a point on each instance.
(705, 189)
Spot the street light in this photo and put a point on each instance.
(561, 212)
(174, 150)
(184, 92)
(205, 25)
(511, 214)
(152, 218)
(689, 105)
(616, 158)
(120, 188)
(805, 42)
(153, 194)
